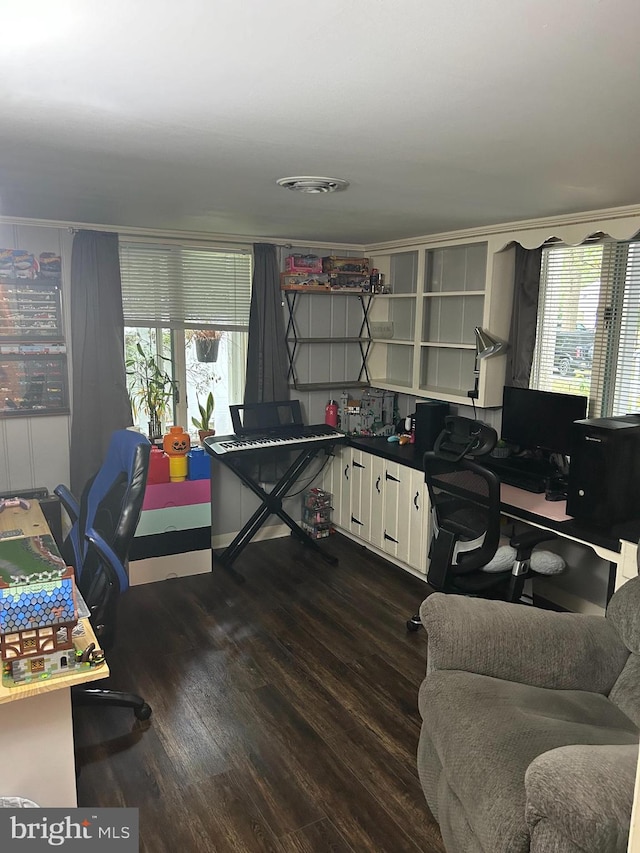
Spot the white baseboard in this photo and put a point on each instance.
(153, 569)
(270, 531)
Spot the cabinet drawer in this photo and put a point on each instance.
(163, 495)
(174, 518)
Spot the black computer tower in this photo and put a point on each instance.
(430, 415)
(604, 471)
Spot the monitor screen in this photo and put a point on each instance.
(540, 419)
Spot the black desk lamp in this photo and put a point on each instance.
(486, 346)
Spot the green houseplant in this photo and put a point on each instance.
(151, 388)
(204, 423)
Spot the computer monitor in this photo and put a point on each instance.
(540, 419)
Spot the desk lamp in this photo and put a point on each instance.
(486, 346)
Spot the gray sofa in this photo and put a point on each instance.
(530, 733)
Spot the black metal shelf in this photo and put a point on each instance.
(362, 339)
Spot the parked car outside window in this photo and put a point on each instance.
(573, 350)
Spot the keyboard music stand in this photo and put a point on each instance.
(263, 416)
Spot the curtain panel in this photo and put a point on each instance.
(100, 403)
(267, 364)
(522, 336)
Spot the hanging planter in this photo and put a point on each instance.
(207, 349)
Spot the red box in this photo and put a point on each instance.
(163, 495)
(303, 264)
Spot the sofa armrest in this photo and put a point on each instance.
(567, 651)
(585, 793)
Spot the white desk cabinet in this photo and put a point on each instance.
(381, 503)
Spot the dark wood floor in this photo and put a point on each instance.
(284, 709)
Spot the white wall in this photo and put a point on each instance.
(34, 451)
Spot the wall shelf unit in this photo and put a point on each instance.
(437, 295)
(346, 354)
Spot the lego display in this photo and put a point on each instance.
(373, 414)
(38, 612)
(176, 445)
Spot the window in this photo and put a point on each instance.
(588, 330)
(188, 309)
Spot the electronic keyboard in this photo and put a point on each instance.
(289, 436)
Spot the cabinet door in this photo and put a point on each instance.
(337, 480)
(416, 533)
(405, 515)
(394, 504)
(361, 494)
(378, 466)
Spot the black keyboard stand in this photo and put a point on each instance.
(271, 502)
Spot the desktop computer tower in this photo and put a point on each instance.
(604, 470)
(430, 415)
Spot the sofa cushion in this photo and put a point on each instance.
(626, 691)
(623, 611)
(487, 731)
(585, 793)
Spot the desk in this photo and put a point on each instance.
(36, 726)
(534, 510)
(616, 546)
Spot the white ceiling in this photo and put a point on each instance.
(442, 115)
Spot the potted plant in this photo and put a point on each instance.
(207, 343)
(150, 388)
(203, 423)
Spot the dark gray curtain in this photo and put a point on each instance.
(100, 401)
(522, 337)
(267, 363)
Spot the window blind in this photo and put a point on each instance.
(621, 327)
(182, 287)
(588, 327)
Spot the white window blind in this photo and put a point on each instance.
(588, 329)
(621, 324)
(182, 287)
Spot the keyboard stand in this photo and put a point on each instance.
(271, 502)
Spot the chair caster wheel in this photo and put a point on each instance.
(414, 624)
(142, 713)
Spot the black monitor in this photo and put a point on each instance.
(540, 419)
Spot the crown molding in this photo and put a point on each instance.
(170, 234)
(550, 225)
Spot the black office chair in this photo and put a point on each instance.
(465, 553)
(103, 526)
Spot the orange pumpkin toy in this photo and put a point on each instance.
(176, 445)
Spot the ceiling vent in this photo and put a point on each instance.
(312, 184)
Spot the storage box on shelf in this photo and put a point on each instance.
(351, 274)
(423, 327)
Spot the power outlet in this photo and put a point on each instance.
(382, 329)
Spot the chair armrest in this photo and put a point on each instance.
(106, 553)
(524, 543)
(567, 651)
(586, 793)
(68, 502)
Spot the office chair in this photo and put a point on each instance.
(103, 524)
(465, 552)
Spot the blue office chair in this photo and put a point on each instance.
(103, 525)
(465, 555)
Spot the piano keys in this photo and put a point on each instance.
(297, 436)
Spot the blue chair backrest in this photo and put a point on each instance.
(111, 501)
